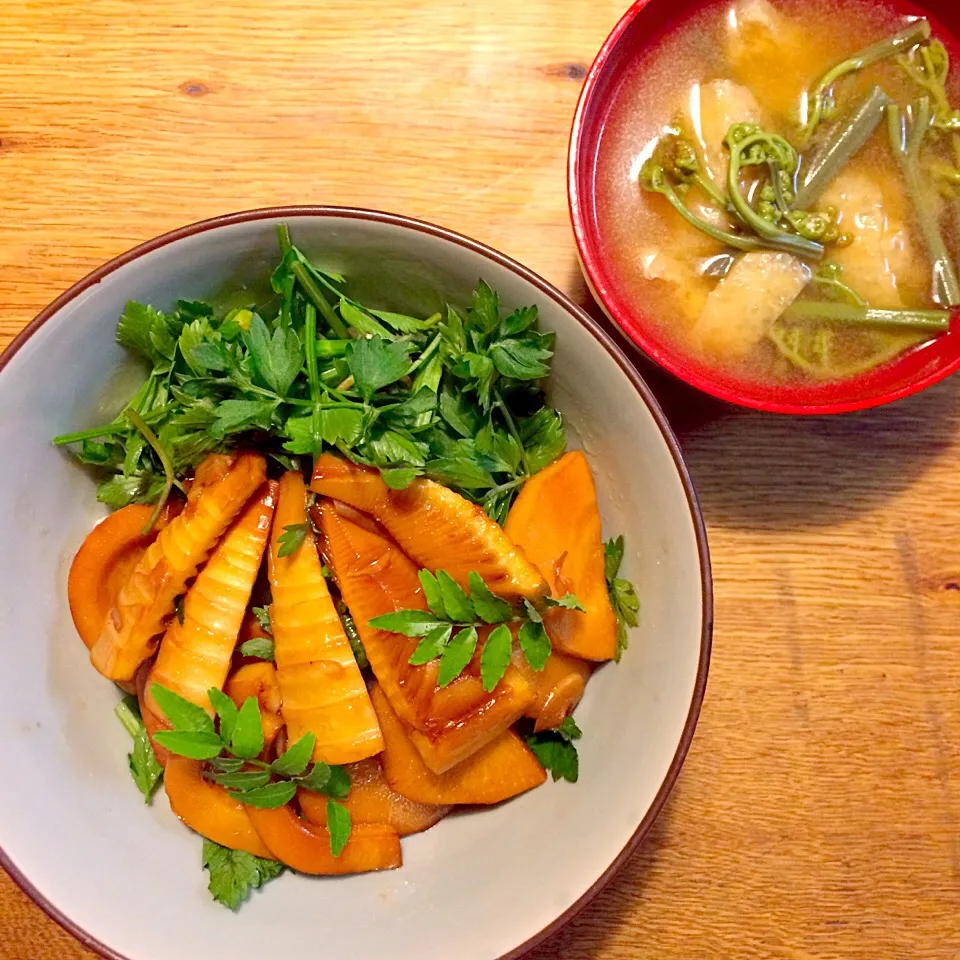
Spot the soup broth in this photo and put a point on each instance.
(754, 313)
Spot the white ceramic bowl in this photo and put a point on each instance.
(126, 878)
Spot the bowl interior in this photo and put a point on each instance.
(71, 822)
(644, 24)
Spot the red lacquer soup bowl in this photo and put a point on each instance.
(621, 61)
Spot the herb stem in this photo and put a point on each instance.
(726, 237)
(843, 144)
(504, 487)
(430, 349)
(514, 432)
(310, 349)
(283, 236)
(313, 291)
(119, 425)
(168, 473)
(131, 722)
(906, 144)
(848, 314)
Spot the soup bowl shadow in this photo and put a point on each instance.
(642, 26)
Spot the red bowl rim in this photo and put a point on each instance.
(590, 260)
(605, 341)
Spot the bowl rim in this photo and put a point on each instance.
(590, 259)
(605, 341)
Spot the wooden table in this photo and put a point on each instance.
(818, 815)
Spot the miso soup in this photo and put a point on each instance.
(779, 185)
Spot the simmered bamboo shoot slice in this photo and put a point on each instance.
(502, 769)
(222, 485)
(435, 526)
(320, 684)
(195, 655)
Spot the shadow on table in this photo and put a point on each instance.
(587, 935)
(771, 471)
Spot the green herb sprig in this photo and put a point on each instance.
(556, 751)
(144, 766)
(456, 397)
(623, 596)
(231, 757)
(234, 873)
(449, 627)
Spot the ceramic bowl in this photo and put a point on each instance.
(643, 25)
(126, 878)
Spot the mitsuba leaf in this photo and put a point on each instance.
(399, 478)
(456, 655)
(277, 358)
(484, 310)
(376, 363)
(432, 645)
(234, 416)
(338, 826)
(496, 656)
(489, 607)
(234, 873)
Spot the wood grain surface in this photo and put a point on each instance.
(818, 814)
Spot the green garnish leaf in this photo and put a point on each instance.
(144, 766)
(613, 556)
(569, 729)
(277, 358)
(338, 826)
(247, 739)
(195, 744)
(243, 780)
(432, 645)
(409, 623)
(339, 783)
(260, 647)
(263, 618)
(556, 753)
(183, 715)
(316, 779)
(490, 608)
(268, 797)
(234, 873)
(623, 596)
(568, 601)
(235, 416)
(376, 363)
(147, 332)
(455, 601)
(459, 472)
(295, 759)
(456, 655)
(485, 308)
(291, 539)
(330, 781)
(496, 656)
(532, 612)
(399, 478)
(226, 710)
(544, 438)
(432, 593)
(226, 764)
(535, 644)
(521, 359)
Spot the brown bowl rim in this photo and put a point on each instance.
(605, 340)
